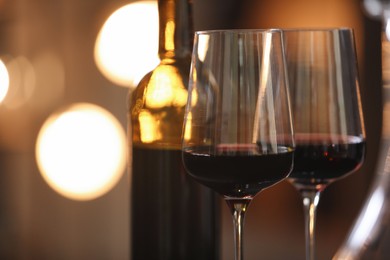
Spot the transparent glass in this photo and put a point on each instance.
(327, 114)
(369, 237)
(238, 136)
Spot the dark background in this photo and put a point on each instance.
(38, 223)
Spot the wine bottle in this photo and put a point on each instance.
(172, 216)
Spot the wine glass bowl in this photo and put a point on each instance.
(321, 159)
(233, 170)
(237, 133)
(327, 113)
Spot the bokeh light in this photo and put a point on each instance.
(127, 45)
(38, 81)
(22, 80)
(4, 81)
(81, 151)
(374, 8)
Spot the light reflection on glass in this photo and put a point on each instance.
(4, 81)
(187, 130)
(266, 90)
(80, 151)
(169, 32)
(166, 88)
(148, 127)
(203, 46)
(369, 219)
(387, 29)
(127, 45)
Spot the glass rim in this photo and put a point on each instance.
(317, 29)
(238, 31)
(273, 30)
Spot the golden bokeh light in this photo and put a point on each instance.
(81, 151)
(4, 81)
(127, 45)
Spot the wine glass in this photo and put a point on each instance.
(237, 134)
(327, 113)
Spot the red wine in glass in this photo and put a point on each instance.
(238, 170)
(321, 158)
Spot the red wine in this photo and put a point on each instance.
(237, 170)
(172, 214)
(321, 158)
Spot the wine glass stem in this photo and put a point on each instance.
(238, 208)
(310, 202)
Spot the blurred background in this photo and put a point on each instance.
(66, 68)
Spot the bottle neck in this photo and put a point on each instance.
(175, 29)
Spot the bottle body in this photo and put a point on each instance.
(172, 216)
